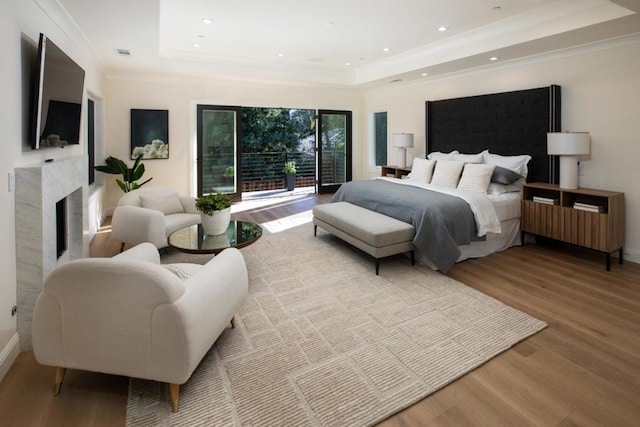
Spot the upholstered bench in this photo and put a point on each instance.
(376, 234)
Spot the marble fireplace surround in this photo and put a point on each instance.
(38, 188)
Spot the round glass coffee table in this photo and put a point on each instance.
(194, 240)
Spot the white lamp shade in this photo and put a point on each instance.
(403, 140)
(568, 143)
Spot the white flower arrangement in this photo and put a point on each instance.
(157, 149)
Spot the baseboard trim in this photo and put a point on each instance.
(9, 354)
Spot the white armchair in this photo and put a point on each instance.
(151, 214)
(129, 315)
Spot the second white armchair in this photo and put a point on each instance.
(151, 214)
(129, 315)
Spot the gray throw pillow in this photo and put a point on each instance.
(504, 176)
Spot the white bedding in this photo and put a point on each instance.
(481, 205)
(507, 205)
(497, 217)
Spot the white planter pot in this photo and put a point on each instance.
(217, 223)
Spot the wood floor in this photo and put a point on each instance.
(583, 369)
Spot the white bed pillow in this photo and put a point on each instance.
(439, 155)
(422, 170)
(447, 173)
(468, 158)
(515, 163)
(476, 177)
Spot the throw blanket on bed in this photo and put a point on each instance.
(442, 221)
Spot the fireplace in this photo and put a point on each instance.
(61, 227)
(51, 225)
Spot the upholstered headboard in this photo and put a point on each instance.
(508, 123)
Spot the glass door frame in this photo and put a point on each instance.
(237, 195)
(322, 188)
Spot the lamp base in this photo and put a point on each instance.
(402, 157)
(569, 172)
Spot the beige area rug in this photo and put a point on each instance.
(323, 341)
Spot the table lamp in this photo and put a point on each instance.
(568, 145)
(402, 141)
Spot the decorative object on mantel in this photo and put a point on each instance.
(150, 134)
(290, 175)
(568, 145)
(116, 166)
(402, 141)
(215, 212)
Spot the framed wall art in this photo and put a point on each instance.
(150, 134)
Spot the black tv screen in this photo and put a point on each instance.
(57, 108)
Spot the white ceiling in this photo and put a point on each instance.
(338, 42)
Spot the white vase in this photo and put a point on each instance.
(217, 223)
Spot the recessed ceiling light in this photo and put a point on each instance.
(395, 80)
(442, 28)
(496, 8)
(200, 36)
(424, 74)
(123, 52)
(207, 20)
(493, 58)
(385, 49)
(196, 45)
(281, 55)
(347, 63)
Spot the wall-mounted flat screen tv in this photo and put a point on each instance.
(57, 107)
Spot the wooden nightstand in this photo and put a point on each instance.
(395, 171)
(593, 219)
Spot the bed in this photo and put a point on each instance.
(496, 129)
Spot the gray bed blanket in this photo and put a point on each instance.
(442, 222)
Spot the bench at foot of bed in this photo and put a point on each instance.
(378, 235)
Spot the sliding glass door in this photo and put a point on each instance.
(219, 150)
(334, 149)
(281, 135)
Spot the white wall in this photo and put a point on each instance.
(600, 94)
(180, 98)
(21, 22)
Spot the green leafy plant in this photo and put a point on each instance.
(229, 172)
(213, 202)
(289, 168)
(116, 166)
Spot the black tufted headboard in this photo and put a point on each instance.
(508, 123)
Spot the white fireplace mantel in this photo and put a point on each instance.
(38, 188)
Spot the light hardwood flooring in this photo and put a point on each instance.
(583, 369)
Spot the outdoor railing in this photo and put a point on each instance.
(263, 171)
(268, 166)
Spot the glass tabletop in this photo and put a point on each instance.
(194, 240)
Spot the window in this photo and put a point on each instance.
(380, 138)
(91, 139)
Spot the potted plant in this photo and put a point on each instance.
(215, 212)
(229, 174)
(129, 176)
(289, 175)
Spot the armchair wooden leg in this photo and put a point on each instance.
(121, 246)
(58, 381)
(174, 391)
(233, 322)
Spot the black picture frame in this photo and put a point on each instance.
(149, 134)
